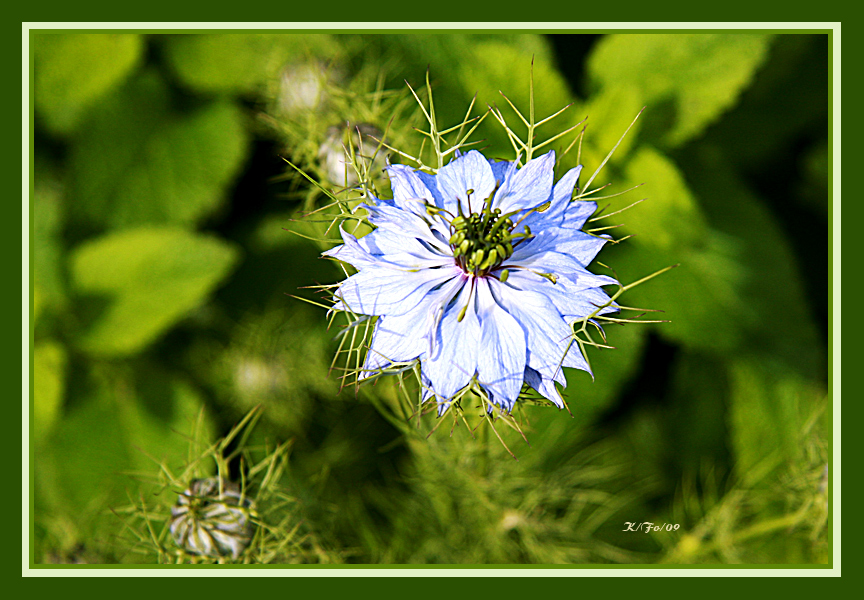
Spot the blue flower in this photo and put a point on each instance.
(478, 272)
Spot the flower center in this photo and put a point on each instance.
(482, 241)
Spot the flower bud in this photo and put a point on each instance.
(207, 522)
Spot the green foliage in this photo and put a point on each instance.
(701, 297)
(49, 371)
(122, 422)
(586, 396)
(778, 321)
(139, 282)
(72, 71)
(778, 505)
(132, 168)
(786, 100)
(47, 257)
(770, 408)
(507, 512)
(278, 536)
(236, 63)
(671, 220)
(270, 357)
(700, 75)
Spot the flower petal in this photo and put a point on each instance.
(500, 169)
(403, 338)
(388, 246)
(561, 252)
(407, 185)
(502, 352)
(406, 223)
(470, 172)
(560, 203)
(528, 187)
(580, 245)
(545, 386)
(384, 291)
(574, 300)
(548, 336)
(452, 360)
(351, 252)
(577, 214)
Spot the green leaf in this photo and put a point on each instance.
(77, 468)
(701, 297)
(787, 101)
(237, 63)
(699, 75)
(497, 66)
(587, 396)
(140, 282)
(670, 218)
(782, 325)
(164, 420)
(278, 360)
(49, 376)
(73, 70)
(609, 114)
(816, 169)
(135, 166)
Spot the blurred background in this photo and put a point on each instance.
(166, 254)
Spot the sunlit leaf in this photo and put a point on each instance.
(236, 62)
(72, 70)
(788, 99)
(670, 218)
(138, 283)
(701, 75)
(135, 166)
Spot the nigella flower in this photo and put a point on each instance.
(478, 272)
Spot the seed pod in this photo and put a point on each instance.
(209, 523)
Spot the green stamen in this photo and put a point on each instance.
(482, 240)
(462, 313)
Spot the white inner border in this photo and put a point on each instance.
(437, 572)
